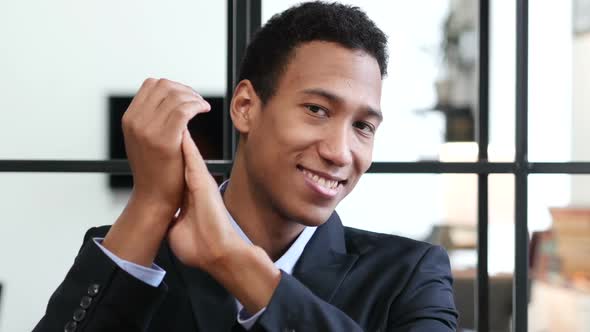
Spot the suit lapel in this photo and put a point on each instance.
(325, 262)
(213, 307)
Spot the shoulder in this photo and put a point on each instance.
(417, 276)
(362, 242)
(99, 231)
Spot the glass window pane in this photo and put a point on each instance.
(550, 75)
(558, 80)
(580, 81)
(560, 268)
(502, 81)
(61, 60)
(500, 250)
(501, 224)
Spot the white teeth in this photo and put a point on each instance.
(326, 183)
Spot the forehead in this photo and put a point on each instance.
(352, 74)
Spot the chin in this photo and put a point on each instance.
(313, 216)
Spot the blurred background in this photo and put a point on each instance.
(68, 68)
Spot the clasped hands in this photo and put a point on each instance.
(168, 173)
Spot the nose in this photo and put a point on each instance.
(335, 147)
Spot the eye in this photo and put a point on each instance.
(317, 110)
(366, 127)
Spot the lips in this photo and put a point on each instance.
(324, 184)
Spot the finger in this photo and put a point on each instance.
(181, 213)
(190, 88)
(173, 100)
(160, 91)
(179, 117)
(182, 115)
(175, 220)
(143, 92)
(195, 168)
(179, 235)
(147, 85)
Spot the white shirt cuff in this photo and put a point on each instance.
(152, 276)
(248, 321)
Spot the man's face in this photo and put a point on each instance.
(311, 142)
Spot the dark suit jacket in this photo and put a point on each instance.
(346, 280)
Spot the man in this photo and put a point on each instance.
(267, 252)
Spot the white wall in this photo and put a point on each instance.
(60, 60)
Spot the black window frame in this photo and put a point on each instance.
(244, 17)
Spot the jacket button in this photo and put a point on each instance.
(93, 289)
(85, 302)
(70, 327)
(79, 315)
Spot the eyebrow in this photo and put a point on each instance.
(332, 97)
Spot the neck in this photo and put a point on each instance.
(256, 216)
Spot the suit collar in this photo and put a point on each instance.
(325, 262)
(327, 241)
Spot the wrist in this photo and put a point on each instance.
(249, 275)
(230, 260)
(137, 234)
(152, 205)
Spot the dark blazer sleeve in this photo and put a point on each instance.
(427, 302)
(96, 295)
(293, 307)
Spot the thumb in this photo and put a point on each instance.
(194, 165)
(179, 236)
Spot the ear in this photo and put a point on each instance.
(244, 107)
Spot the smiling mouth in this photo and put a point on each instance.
(322, 181)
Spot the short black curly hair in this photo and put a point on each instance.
(268, 54)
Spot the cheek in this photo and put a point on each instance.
(277, 137)
(362, 162)
(363, 156)
(292, 134)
